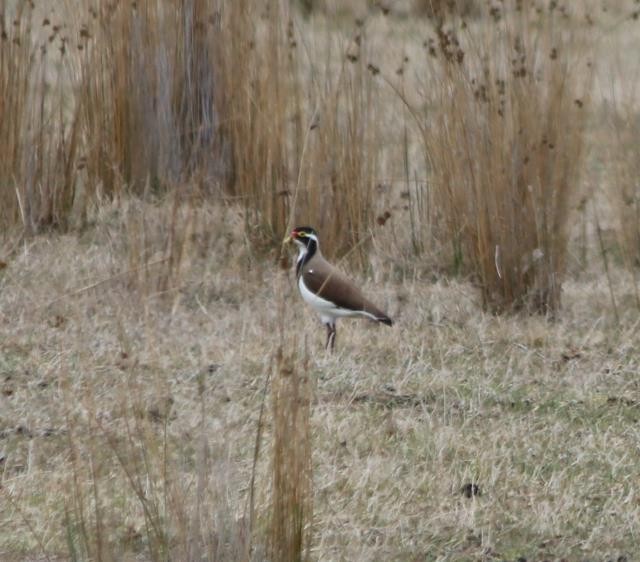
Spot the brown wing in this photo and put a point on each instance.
(327, 282)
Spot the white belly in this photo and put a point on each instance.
(326, 309)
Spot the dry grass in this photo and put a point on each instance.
(128, 422)
(300, 118)
(622, 153)
(443, 9)
(14, 89)
(161, 397)
(503, 130)
(291, 504)
(39, 133)
(150, 95)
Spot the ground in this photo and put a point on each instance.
(455, 434)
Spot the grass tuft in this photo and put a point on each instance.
(291, 493)
(503, 132)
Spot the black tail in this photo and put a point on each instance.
(385, 320)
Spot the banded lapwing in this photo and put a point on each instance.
(325, 289)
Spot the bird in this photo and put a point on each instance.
(326, 289)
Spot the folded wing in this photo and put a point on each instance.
(327, 282)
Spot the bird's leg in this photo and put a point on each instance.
(331, 337)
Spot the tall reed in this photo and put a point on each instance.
(503, 134)
(340, 170)
(255, 86)
(39, 129)
(623, 155)
(153, 97)
(147, 96)
(304, 149)
(290, 516)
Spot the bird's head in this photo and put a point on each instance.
(303, 236)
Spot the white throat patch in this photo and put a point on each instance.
(302, 251)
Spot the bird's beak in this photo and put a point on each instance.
(289, 238)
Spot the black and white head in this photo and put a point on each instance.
(305, 237)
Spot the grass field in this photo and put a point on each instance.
(541, 415)
(164, 394)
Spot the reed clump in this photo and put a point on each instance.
(39, 129)
(290, 512)
(623, 154)
(339, 171)
(302, 150)
(148, 98)
(503, 133)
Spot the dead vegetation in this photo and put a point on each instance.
(129, 421)
(158, 399)
(503, 131)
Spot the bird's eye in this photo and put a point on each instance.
(302, 234)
